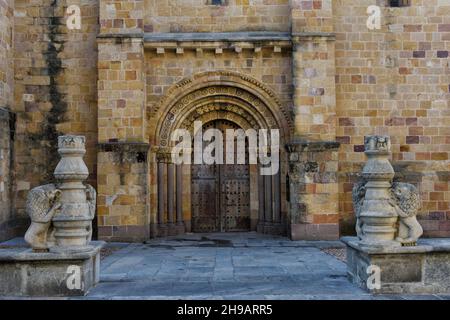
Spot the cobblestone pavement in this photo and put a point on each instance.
(228, 266)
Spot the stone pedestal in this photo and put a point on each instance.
(24, 273)
(63, 260)
(423, 269)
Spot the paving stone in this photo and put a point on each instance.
(186, 270)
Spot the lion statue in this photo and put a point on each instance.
(42, 204)
(358, 195)
(91, 196)
(406, 201)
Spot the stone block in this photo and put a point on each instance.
(423, 269)
(24, 273)
(314, 232)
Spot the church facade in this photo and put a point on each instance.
(132, 73)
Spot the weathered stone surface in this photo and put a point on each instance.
(386, 211)
(424, 269)
(313, 190)
(334, 79)
(27, 273)
(61, 215)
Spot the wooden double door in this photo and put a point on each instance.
(221, 192)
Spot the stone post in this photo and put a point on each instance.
(73, 222)
(59, 235)
(378, 218)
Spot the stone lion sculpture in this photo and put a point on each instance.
(91, 196)
(406, 201)
(405, 198)
(358, 195)
(42, 205)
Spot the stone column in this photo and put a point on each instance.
(268, 212)
(73, 222)
(160, 193)
(277, 199)
(179, 190)
(261, 202)
(162, 168)
(378, 218)
(170, 198)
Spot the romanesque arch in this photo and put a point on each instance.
(242, 91)
(213, 96)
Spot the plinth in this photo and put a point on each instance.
(24, 273)
(422, 269)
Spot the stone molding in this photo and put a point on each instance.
(123, 147)
(182, 99)
(312, 146)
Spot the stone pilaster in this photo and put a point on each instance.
(313, 159)
(123, 192)
(123, 176)
(313, 191)
(314, 70)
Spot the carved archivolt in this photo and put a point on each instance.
(219, 91)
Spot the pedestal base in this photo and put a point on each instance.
(424, 269)
(26, 273)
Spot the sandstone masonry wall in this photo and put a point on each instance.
(201, 16)
(7, 222)
(55, 93)
(395, 81)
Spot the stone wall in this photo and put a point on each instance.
(201, 16)
(9, 226)
(395, 81)
(339, 80)
(7, 221)
(273, 69)
(55, 88)
(6, 52)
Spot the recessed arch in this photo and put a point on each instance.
(243, 92)
(215, 98)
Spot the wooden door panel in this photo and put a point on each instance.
(220, 194)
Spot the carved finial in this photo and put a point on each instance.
(378, 144)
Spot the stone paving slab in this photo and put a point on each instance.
(238, 266)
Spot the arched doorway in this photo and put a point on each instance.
(221, 192)
(195, 198)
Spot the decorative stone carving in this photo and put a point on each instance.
(42, 204)
(73, 223)
(358, 195)
(91, 196)
(61, 215)
(385, 211)
(407, 203)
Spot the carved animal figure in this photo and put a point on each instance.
(406, 201)
(358, 195)
(91, 196)
(42, 205)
